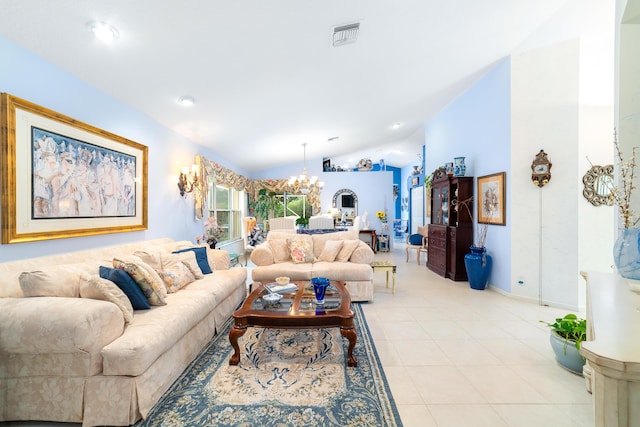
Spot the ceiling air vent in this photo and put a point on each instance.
(345, 34)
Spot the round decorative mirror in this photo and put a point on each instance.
(598, 185)
(345, 202)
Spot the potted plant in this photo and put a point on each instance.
(302, 222)
(263, 204)
(566, 335)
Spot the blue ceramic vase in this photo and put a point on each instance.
(626, 253)
(478, 264)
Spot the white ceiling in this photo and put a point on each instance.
(264, 74)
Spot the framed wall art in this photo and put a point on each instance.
(63, 178)
(491, 199)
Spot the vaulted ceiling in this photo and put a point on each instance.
(264, 74)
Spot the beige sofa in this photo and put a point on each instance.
(73, 359)
(274, 258)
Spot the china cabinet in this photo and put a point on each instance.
(451, 229)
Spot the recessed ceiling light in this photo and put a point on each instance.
(103, 31)
(396, 126)
(187, 101)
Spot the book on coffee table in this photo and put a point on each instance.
(289, 287)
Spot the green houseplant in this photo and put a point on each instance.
(566, 330)
(302, 221)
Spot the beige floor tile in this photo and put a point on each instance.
(416, 416)
(467, 352)
(501, 384)
(466, 416)
(444, 385)
(540, 415)
(403, 389)
(420, 353)
(513, 352)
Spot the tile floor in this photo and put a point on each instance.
(457, 357)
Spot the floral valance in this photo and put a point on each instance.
(228, 178)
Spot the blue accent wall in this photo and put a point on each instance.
(477, 125)
(30, 77)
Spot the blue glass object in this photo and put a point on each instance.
(319, 287)
(626, 253)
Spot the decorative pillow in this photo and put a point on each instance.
(188, 258)
(175, 273)
(152, 257)
(330, 250)
(415, 239)
(128, 286)
(95, 287)
(280, 250)
(57, 281)
(201, 258)
(143, 279)
(134, 259)
(301, 250)
(348, 246)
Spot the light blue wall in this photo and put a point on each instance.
(27, 76)
(477, 126)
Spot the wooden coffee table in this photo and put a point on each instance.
(297, 309)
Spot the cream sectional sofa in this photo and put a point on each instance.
(273, 258)
(72, 359)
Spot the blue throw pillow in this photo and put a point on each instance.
(128, 286)
(201, 258)
(415, 239)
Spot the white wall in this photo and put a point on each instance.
(545, 220)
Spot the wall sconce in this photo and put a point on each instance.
(188, 180)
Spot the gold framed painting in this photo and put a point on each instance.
(491, 199)
(62, 178)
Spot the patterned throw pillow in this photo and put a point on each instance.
(128, 286)
(95, 287)
(348, 246)
(188, 258)
(175, 274)
(301, 250)
(201, 258)
(148, 286)
(330, 250)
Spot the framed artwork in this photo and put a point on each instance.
(414, 181)
(63, 178)
(326, 165)
(491, 199)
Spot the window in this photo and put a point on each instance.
(292, 205)
(227, 205)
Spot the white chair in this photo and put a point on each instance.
(283, 223)
(321, 222)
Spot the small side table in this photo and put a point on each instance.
(386, 266)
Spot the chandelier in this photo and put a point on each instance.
(304, 183)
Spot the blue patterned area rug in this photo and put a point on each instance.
(286, 377)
